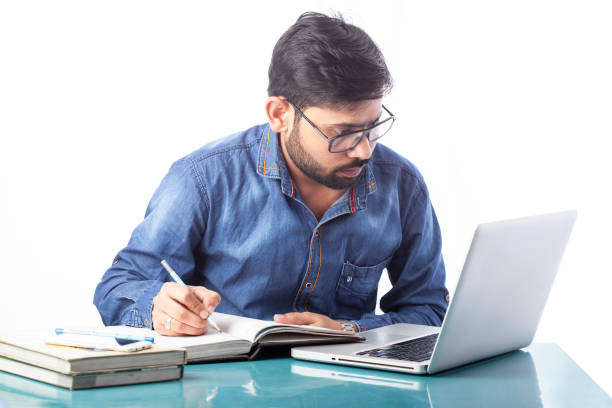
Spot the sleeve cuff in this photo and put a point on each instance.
(141, 313)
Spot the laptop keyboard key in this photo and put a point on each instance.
(419, 349)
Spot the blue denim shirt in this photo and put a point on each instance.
(228, 217)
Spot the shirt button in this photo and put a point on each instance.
(349, 279)
(308, 285)
(146, 322)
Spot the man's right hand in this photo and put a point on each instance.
(188, 307)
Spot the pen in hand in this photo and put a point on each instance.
(178, 280)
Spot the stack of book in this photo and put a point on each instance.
(36, 355)
(27, 354)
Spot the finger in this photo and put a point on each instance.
(168, 326)
(186, 297)
(165, 302)
(183, 320)
(295, 318)
(209, 298)
(183, 315)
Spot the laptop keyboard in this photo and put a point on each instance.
(419, 349)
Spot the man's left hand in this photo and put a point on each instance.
(308, 318)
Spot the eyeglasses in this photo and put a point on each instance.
(348, 140)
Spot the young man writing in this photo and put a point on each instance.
(293, 220)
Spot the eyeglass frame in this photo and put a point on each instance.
(363, 131)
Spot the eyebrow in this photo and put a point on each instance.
(357, 125)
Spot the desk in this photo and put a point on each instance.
(541, 376)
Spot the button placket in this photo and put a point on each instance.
(301, 301)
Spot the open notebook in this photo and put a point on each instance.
(242, 337)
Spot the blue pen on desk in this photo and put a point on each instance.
(118, 336)
(178, 280)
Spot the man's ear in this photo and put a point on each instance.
(279, 114)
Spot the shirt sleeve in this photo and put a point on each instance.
(416, 271)
(173, 225)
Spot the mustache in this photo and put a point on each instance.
(355, 163)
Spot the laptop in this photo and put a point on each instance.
(498, 302)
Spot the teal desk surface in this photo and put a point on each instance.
(542, 375)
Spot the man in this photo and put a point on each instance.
(293, 220)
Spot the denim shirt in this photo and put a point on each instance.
(229, 217)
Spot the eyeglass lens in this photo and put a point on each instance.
(350, 141)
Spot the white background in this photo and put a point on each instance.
(504, 106)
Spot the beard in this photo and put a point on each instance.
(307, 164)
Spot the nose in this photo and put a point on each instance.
(363, 150)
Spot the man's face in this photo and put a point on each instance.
(310, 153)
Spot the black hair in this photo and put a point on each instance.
(325, 61)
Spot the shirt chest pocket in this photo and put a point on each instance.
(356, 290)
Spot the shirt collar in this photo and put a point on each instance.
(271, 163)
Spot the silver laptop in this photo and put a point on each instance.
(497, 304)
